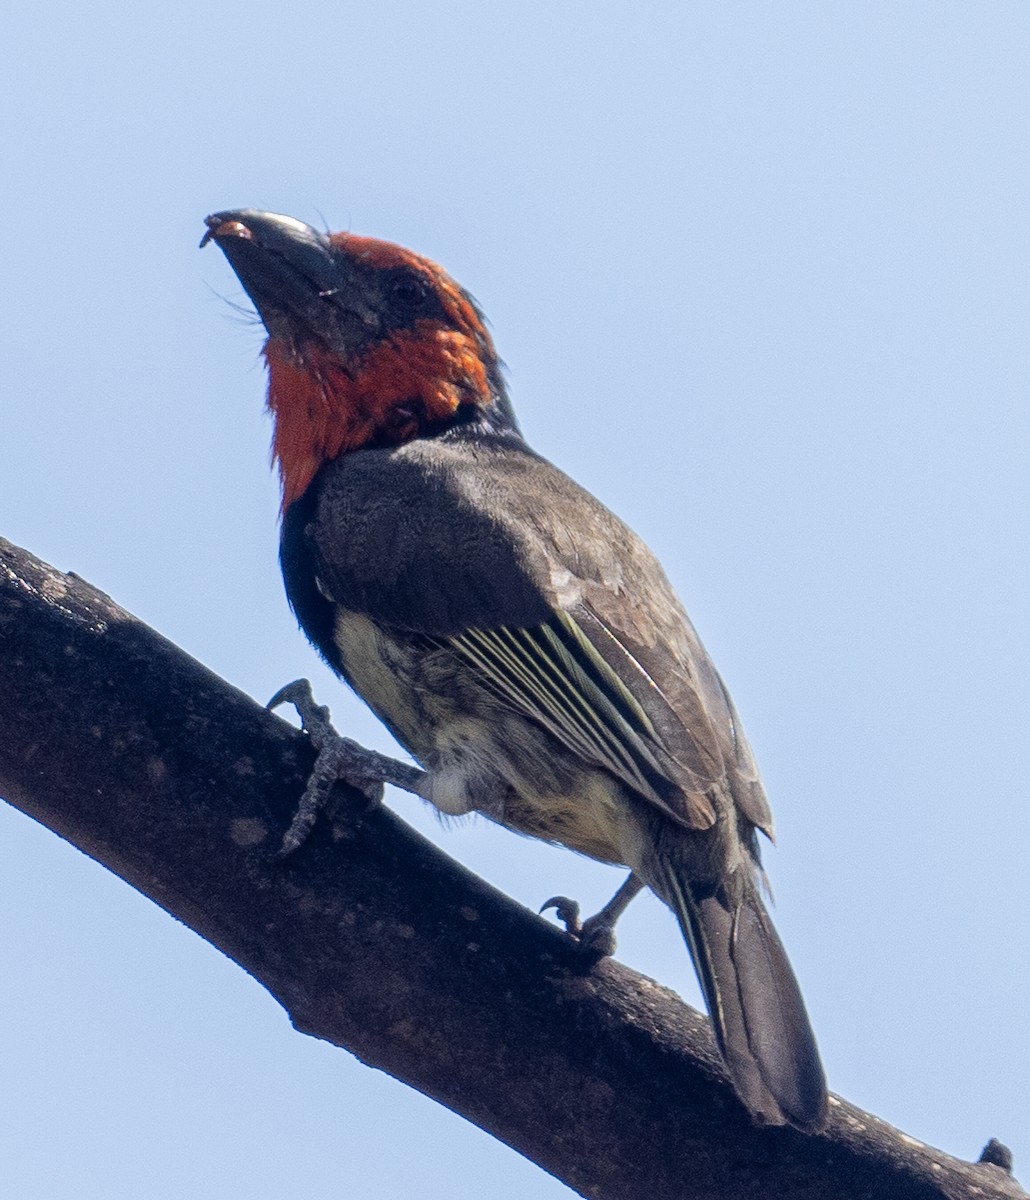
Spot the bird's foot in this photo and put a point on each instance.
(595, 936)
(338, 759)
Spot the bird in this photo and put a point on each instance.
(516, 637)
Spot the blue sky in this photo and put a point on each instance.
(760, 274)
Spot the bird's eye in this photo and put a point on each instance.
(409, 293)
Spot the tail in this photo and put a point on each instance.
(753, 999)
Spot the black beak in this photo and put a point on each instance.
(297, 281)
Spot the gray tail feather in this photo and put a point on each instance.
(754, 1002)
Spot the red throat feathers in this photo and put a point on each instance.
(403, 385)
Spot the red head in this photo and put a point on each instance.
(368, 344)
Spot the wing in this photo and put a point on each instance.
(552, 674)
(555, 606)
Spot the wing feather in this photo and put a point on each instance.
(553, 674)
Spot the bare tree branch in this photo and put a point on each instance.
(374, 940)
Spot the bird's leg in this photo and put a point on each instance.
(338, 758)
(597, 933)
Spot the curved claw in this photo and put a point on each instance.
(567, 911)
(315, 718)
(290, 693)
(593, 936)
